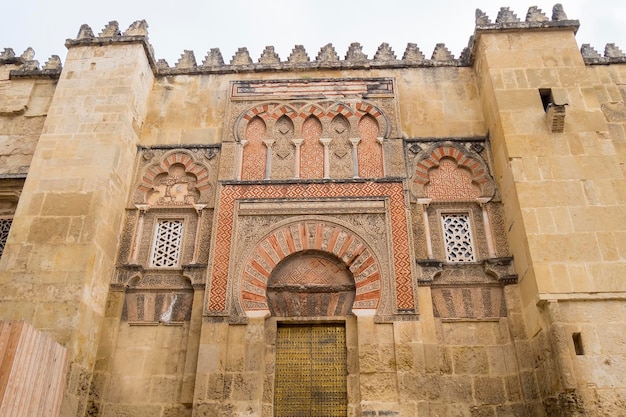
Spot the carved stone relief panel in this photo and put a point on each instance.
(157, 307)
(449, 182)
(283, 156)
(259, 253)
(344, 219)
(419, 231)
(176, 177)
(498, 228)
(356, 93)
(448, 171)
(469, 302)
(127, 238)
(340, 148)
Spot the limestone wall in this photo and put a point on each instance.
(433, 102)
(59, 258)
(560, 190)
(23, 111)
(120, 143)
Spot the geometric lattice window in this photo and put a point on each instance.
(167, 243)
(5, 226)
(457, 238)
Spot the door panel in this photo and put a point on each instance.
(310, 371)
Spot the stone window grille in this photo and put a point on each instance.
(5, 226)
(457, 236)
(167, 244)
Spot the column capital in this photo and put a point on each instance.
(424, 201)
(143, 208)
(199, 208)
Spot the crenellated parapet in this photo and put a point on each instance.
(136, 33)
(299, 59)
(28, 66)
(507, 20)
(612, 55)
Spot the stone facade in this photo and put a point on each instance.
(448, 236)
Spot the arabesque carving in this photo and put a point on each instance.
(449, 172)
(175, 178)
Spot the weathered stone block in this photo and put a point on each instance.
(469, 360)
(482, 411)
(456, 389)
(489, 390)
(379, 386)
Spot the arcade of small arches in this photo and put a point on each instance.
(311, 141)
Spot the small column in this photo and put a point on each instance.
(143, 209)
(381, 141)
(296, 169)
(196, 244)
(326, 142)
(425, 202)
(355, 157)
(242, 145)
(482, 201)
(268, 158)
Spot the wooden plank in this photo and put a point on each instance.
(13, 330)
(32, 371)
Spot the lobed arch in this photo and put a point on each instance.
(464, 159)
(323, 111)
(302, 237)
(198, 176)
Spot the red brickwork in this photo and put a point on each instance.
(450, 182)
(255, 151)
(225, 228)
(311, 151)
(370, 151)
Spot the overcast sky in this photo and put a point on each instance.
(200, 25)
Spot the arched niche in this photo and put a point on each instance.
(461, 175)
(327, 241)
(255, 151)
(310, 284)
(175, 179)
